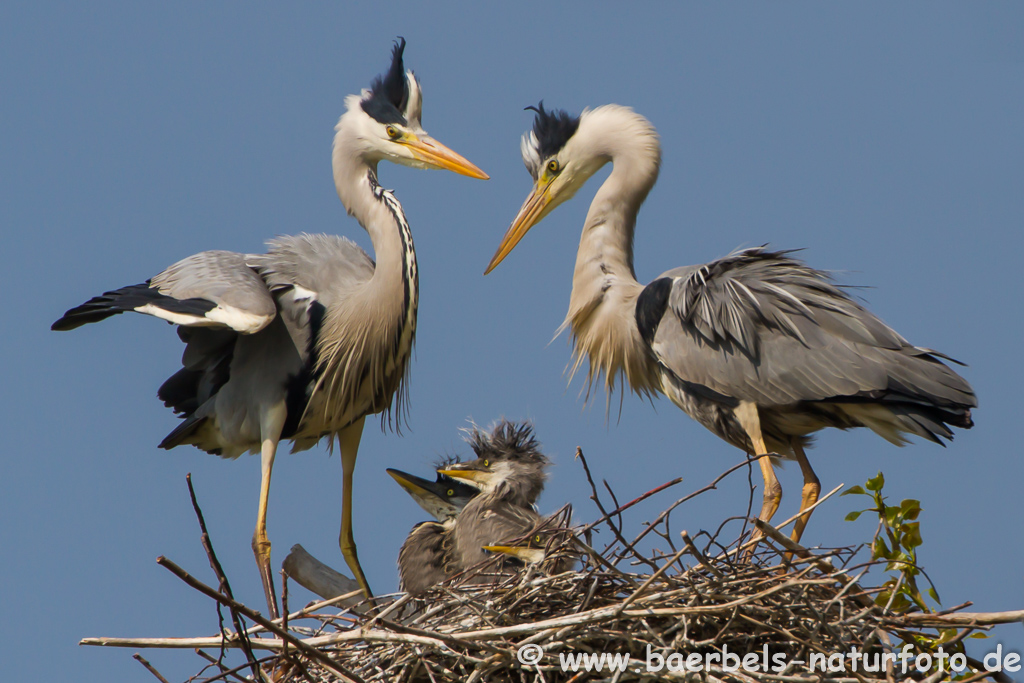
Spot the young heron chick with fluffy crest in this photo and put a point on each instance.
(305, 341)
(757, 346)
(510, 472)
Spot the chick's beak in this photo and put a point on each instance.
(476, 477)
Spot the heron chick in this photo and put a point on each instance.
(548, 547)
(510, 471)
(758, 347)
(426, 557)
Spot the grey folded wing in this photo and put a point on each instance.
(761, 326)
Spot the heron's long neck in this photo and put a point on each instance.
(384, 308)
(381, 215)
(604, 286)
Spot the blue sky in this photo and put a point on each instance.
(886, 142)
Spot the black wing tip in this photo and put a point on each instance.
(552, 128)
(389, 93)
(96, 309)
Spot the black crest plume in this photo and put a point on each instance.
(389, 94)
(552, 129)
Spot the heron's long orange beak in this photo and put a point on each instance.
(429, 150)
(531, 213)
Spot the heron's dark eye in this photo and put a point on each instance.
(451, 492)
(393, 132)
(553, 167)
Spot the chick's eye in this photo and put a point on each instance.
(487, 463)
(537, 538)
(392, 132)
(553, 166)
(451, 492)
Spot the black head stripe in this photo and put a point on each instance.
(552, 129)
(389, 94)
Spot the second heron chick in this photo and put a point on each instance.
(549, 547)
(426, 557)
(510, 472)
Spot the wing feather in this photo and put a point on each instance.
(761, 326)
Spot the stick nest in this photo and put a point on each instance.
(696, 596)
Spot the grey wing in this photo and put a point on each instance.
(504, 523)
(309, 274)
(762, 326)
(492, 523)
(209, 289)
(423, 560)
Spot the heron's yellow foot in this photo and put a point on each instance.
(261, 549)
(772, 498)
(348, 551)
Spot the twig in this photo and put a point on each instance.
(149, 667)
(700, 556)
(597, 501)
(306, 650)
(222, 580)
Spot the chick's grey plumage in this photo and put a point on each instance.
(427, 556)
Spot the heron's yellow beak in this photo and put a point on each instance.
(531, 555)
(430, 151)
(534, 208)
(413, 485)
(476, 477)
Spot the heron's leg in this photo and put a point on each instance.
(812, 487)
(271, 424)
(746, 413)
(348, 441)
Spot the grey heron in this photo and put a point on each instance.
(510, 472)
(756, 346)
(306, 340)
(426, 557)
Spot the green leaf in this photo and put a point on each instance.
(879, 549)
(912, 535)
(852, 517)
(935, 595)
(901, 603)
(910, 508)
(891, 511)
(978, 635)
(875, 483)
(852, 490)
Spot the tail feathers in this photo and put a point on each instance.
(181, 391)
(183, 432)
(131, 298)
(930, 422)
